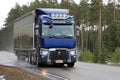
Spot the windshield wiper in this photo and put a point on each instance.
(60, 36)
(65, 36)
(53, 36)
(68, 36)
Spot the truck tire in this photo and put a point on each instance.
(33, 61)
(70, 64)
(38, 65)
(37, 62)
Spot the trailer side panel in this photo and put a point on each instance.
(23, 32)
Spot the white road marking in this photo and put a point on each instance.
(56, 76)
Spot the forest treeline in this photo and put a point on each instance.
(86, 16)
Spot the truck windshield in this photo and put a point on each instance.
(58, 30)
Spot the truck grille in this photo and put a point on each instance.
(59, 55)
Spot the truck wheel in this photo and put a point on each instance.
(18, 56)
(37, 62)
(70, 64)
(31, 59)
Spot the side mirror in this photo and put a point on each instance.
(77, 30)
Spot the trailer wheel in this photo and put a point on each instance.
(19, 57)
(30, 58)
(70, 64)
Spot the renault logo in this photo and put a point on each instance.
(59, 53)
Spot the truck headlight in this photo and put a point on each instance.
(73, 52)
(44, 52)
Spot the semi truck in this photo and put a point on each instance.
(46, 36)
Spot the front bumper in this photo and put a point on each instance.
(59, 56)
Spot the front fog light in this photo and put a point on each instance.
(72, 52)
(44, 52)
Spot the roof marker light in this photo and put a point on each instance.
(59, 16)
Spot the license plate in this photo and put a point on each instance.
(59, 61)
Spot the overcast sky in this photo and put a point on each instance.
(6, 5)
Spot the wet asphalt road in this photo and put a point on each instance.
(81, 71)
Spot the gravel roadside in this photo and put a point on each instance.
(12, 73)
